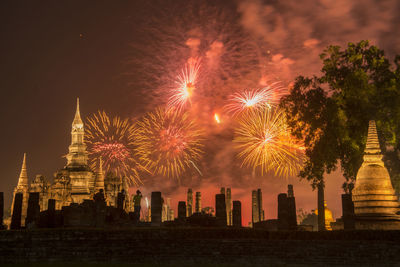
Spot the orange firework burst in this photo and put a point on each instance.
(255, 99)
(264, 142)
(112, 140)
(186, 84)
(168, 142)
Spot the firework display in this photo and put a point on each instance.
(268, 96)
(264, 142)
(112, 139)
(203, 65)
(168, 142)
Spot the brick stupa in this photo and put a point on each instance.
(375, 202)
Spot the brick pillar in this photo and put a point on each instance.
(51, 213)
(283, 223)
(237, 214)
(120, 200)
(321, 208)
(254, 208)
(348, 212)
(33, 210)
(181, 210)
(156, 208)
(189, 206)
(17, 211)
(198, 202)
(1, 210)
(292, 217)
(220, 209)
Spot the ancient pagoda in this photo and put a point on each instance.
(22, 187)
(81, 177)
(375, 202)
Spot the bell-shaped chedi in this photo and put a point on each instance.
(375, 202)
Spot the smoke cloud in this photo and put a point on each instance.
(296, 32)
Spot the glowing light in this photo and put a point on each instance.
(217, 119)
(168, 142)
(112, 140)
(186, 84)
(264, 142)
(255, 99)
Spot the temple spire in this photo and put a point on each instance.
(77, 155)
(372, 146)
(372, 152)
(23, 176)
(77, 119)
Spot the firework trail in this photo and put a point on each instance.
(268, 96)
(264, 142)
(168, 142)
(217, 118)
(112, 140)
(186, 85)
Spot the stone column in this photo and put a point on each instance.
(156, 208)
(198, 202)
(254, 207)
(189, 206)
(228, 200)
(291, 206)
(51, 213)
(348, 212)
(17, 211)
(260, 205)
(292, 216)
(120, 200)
(283, 212)
(1, 210)
(181, 210)
(321, 208)
(237, 214)
(33, 209)
(220, 209)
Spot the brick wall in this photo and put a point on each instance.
(244, 247)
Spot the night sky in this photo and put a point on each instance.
(55, 51)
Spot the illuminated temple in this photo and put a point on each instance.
(375, 203)
(75, 182)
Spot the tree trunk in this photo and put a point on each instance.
(321, 208)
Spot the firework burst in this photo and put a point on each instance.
(265, 143)
(112, 140)
(268, 96)
(186, 84)
(168, 142)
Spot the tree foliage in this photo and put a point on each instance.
(330, 112)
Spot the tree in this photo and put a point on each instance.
(331, 112)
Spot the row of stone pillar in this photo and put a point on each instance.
(286, 210)
(220, 210)
(33, 211)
